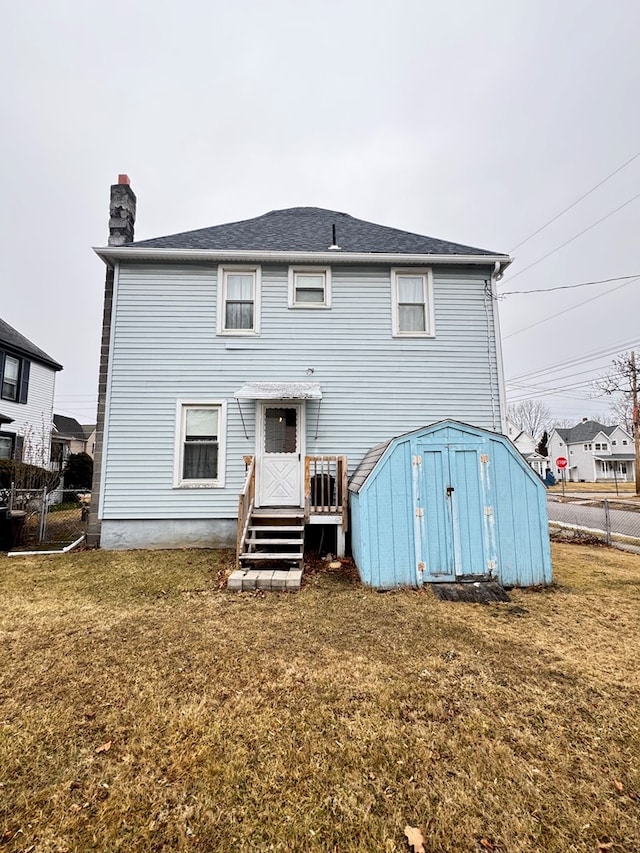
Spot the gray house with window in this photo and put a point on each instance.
(248, 367)
(27, 376)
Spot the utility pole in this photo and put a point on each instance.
(636, 425)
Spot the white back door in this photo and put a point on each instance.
(279, 454)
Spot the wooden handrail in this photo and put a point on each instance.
(246, 500)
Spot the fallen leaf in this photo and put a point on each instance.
(604, 845)
(618, 785)
(415, 838)
(488, 845)
(105, 747)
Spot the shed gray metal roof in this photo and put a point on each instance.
(366, 466)
(584, 431)
(13, 340)
(309, 229)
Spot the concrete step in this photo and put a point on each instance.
(267, 579)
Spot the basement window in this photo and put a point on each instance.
(412, 297)
(309, 287)
(7, 442)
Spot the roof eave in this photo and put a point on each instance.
(110, 254)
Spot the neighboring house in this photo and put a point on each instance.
(594, 452)
(247, 368)
(69, 437)
(27, 377)
(527, 444)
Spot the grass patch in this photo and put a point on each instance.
(599, 488)
(324, 720)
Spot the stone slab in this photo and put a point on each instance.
(250, 579)
(264, 579)
(235, 580)
(279, 580)
(294, 579)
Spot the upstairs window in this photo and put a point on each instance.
(602, 446)
(239, 300)
(412, 294)
(588, 447)
(14, 376)
(309, 287)
(199, 456)
(625, 442)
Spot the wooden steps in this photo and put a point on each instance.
(272, 552)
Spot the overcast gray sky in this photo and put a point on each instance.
(470, 121)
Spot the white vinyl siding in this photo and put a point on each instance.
(165, 350)
(34, 419)
(238, 300)
(309, 287)
(412, 310)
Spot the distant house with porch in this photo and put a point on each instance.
(69, 437)
(526, 445)
(594, 452)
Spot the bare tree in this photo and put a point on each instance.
(532, 416)
(622, 382)
(622, 412)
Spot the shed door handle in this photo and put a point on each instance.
(450, 489)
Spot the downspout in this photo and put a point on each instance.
(502, 395)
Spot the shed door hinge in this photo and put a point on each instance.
(421, 567)
(488, 510)
(419, 512)
(417, 460)
(484, 457)
(491, 564)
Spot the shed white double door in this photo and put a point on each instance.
(453, 525)
(279, 454)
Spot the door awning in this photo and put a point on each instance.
(279, 391)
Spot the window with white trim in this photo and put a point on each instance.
(625, 442)
(7, 443)
(614, 443)
(200, 444)
(309, 287)
(587, 447)
(602, 446)
(412, 295)
(238, 300)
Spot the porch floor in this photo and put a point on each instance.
(242, 580)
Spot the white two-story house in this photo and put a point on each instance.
(248, 367)
(27, 383)
(594, 452)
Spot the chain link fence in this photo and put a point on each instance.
(611, 521)
(35, 519)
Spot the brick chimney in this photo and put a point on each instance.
(122, 212)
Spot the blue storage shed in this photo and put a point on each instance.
(448, 502)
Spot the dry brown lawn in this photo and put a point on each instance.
(143, 708)
(626, 489)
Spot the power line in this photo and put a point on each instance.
(566, 310)
(571, 286)
(573, 204)
(571, 239)
(589, 356)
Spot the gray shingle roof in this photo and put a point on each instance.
(69, 427)
(309, 229)
(584, 431)
(13, 340)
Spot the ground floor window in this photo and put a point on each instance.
(7, 444)
(200, 435)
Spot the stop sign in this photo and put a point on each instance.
(561, 462)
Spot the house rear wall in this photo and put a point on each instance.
(164, 347)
